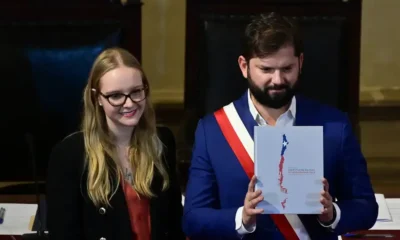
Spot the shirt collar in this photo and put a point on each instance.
(256, 115)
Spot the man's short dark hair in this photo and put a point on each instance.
(267, 33)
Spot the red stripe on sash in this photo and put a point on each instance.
(248, 166)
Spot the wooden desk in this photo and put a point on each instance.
(18, 199)
(32, 199)
(5, 237)
(396, 234)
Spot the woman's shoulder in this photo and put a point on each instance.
(167, 139)
(72, 142)
(70, 149)
(165, 135)
(168, 144)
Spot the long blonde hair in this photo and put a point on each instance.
(145, 154)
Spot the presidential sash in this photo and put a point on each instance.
(242, 145)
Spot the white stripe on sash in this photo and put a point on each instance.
(240, 129)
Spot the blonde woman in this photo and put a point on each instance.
(115, 179)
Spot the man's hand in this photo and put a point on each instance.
(250, 202)
(326, 215)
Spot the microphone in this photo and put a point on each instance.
(40, 234)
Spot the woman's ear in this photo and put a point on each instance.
(98, 98)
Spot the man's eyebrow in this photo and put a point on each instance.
(290, 65)
(264, 66)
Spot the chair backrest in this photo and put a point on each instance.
(214, 40)
(17, 99)
(46, 66)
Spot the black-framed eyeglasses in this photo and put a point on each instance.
(119, 99)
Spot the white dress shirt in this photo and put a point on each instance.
(286, 119)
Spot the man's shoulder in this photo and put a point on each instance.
(322, 110)
(208, 124)
(210, 118)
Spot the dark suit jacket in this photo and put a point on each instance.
(214, 191)
(71, 214)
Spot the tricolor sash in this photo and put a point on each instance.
(242, 145)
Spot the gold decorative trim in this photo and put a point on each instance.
(167, 96)
(8, 184)
(376, 96)
(369, 96)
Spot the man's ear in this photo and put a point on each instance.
(301, 59)
(243, 65)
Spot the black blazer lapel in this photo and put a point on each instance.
(158, 210)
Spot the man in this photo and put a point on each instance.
(220, 201)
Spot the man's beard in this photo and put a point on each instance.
(275, 100)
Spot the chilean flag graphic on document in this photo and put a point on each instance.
(288, 164)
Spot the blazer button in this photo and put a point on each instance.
(102, 211)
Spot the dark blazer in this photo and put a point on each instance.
(71, 214)
(214, 191)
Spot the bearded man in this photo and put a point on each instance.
(220, 198)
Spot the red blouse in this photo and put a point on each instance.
(139, 212)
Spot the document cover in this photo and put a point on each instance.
(289, 167)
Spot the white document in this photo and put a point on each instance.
(17, 218)
(383, 214)
(394, 208)
(393, 204)
(289, 165)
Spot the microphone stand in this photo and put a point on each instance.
(40, 234)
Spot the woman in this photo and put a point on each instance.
(116, 179)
